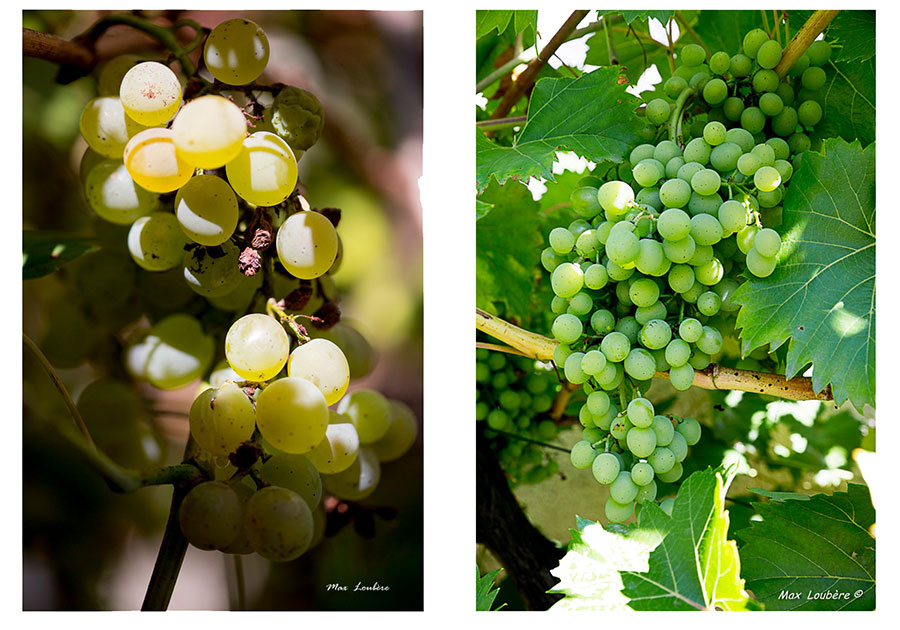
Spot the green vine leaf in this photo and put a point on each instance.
(854, 32)
(634, 55)
(814, 554)
(522, 22)
(45, 252)
(589, 574)
(485, 592)
(631, 16)
(592, 115)
(722, 30)
(695, 567)
(822, 294)
(508, 249)
(849, 101)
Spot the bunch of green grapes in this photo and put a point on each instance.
(514, 396)
(643, 280)
(301, 446)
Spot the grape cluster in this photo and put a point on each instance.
(514, 396)
(196, 182)
(643, 282)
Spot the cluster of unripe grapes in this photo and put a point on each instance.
(629, 451)
(514, 395)
(203, 177)
(644, 279)
(304, 437)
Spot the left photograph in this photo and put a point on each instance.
(222, 310)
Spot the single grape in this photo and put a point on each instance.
(715, 91)
(209, 131)
(662, 459)
(666, 505)
(706, 229)
(150, 93)
(615, 197)
(697, 150)
(359, 480)
(615, 346)
(222, 419)
(809, 113)
(709, 303)
(682, 377)
(292, 415)
(657, 111)
(207, 210)
(155, 242)
(598, 403)
(567, 279)
(567, 328)
(819, 52)
(593, 362)
(681, 278)
(677, 352)
(236, 51)
(561, 240)
(641, 442)
(111, 72)
(767, 178)
(602, 322)
(690, 429)
(759, 265)
(813, 78)
(572, 369)
(212, 271)
(211, 515)
(741, 65)
(618, 512)
(114, 195)
(264, 172)
(582, 454)
(322, 363)
(753, 41)
(257, 347)
(307, 245)
(278, 524)
(297, 116)
(176, 352)
(642, 473)
(724, 158)
(369, 412)
(753, 120)
(106, 127)
(605, 468)
(296, 473)
(679, 251)
(623, 489)
(640, 364)
(153, 162)
(640, 412)
(664, 430)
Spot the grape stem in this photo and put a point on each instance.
(527, 439)
(802, 39)
(714, 377)
(275, 310)
(675, 119)
(494, 347)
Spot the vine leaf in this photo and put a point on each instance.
(508, 248)
(45, 252)
(849, 101)
(634, 56)
(592, 115)
(589, 572)
(815, 554)
(695, 567)
(721, 29)
(631, 16)
(485, 592)
(854, 31)
(522, 22)
(822, 294)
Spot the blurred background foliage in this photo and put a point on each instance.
(86, 547)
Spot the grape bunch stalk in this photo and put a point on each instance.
(197, 182)
(643, 280)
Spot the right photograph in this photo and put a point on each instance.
(675, 310)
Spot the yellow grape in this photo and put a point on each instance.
(114, 196)
(323, 364)
(209, 131)
(236, 51)
(292, 415)
(307, 245)
(264, 173)
(296, 473)
(257, 347)
(156, 242)
(105, 126)
(369, 412)
(150, 93)
(400, 436)
(211, 515)
(358, 481)
(340, 447)
(222, 419)
(109, 78)
(177, 352)
(207, 210)
(278, 523)
(153, 163)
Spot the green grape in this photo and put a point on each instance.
(106, 128)
(598, 403)
(646, 493)
(358, 481)
(641, 152)
(292, 415)
(690, 296)
(709, 303)
(767, 178)
(623, 489)
(623, 247)
(644, 292)
(715, 91)
(710, 341)
(662, 459)
(629, 327)
(153, 162)
(567, 279)
(586, 244)
(585, 417)
(615, 346)
(584, 201)
(572, 369)
(561, 240)
(682, 377)
(212, 272)
(264, 172)
(753, 41)
(704, 204)
(664, 430)
(602, 322)
(618, 512)
(241, 296)
(741, 65)
(605, 468)
(724, 158)
(719, 62)
(567, 328)
(596, 277)
(279, 524)
(732, 215)
(809, 113)
(644, 314)
(746, 237)
(642, 474)
(692, 55)
(295, 473)
(799, 142)
(748, 164)
(753, 120)
(681, 278)
(509, 400)
(699, 80)
(593, 362)
(307, 245)
(771, 104)
(697, 150)
(732, 108)
(640, 364)
(155, 242)
(209, 131)
(673, 224)
(678, 446)
(580, 304)
(740, 137)
(706, 182)
(582, 454)
(759, 265)
(297, 116)
(619, 427)
(674, 86)
(177, 352)
(615, 197)
(687, 171)
(673, 166)
(666, 150)
(498, 420)
(666, 505)
(257, 347)
(710, 273)
(114, 196)
(222, 419)
(675, 193)
(112, 71)
(699, 360)
(714, 133)
(236, 51)
(785, 169)
(819, 52)
(765, 81)
(322, 363)
(765, 153)
(641, 442)
(679, 251)
(690, 429)
(657, 111)
(656, 334)
(767, 242)
(705, 229)
(150, 93)
(211, 515)
(813, 78)
(640, 413)
(785, 123)
(677, 352)
(549, 260)
(648, 172)
(207, 210)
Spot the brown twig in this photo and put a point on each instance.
(526, 80)
(56, 49)
(804, 37)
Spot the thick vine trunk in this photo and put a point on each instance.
(502, 526)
